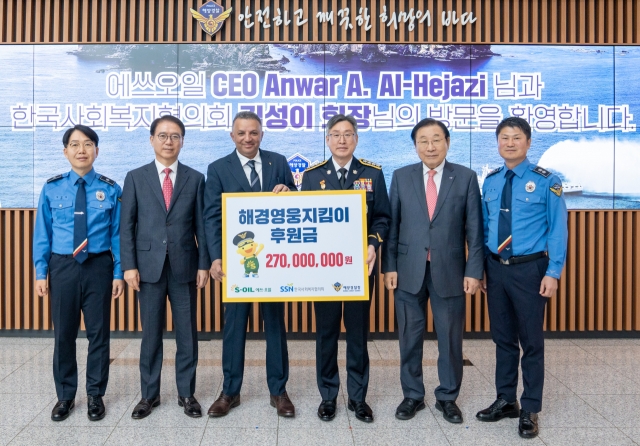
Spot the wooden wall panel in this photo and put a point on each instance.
(599, 289)
(600, 22)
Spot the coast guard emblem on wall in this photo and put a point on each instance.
(211, 16)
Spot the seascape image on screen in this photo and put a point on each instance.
(581, 101)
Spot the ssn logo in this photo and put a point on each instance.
(288, 288)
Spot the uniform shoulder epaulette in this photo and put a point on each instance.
(370, 164)
(540, 171)
(313, 166)
(57, 177)
(494, 171)
(107, 180)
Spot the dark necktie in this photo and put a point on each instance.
(254, 178)
(343, 176)
(504, 221)
(80, 242)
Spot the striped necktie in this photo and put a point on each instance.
(254, 179)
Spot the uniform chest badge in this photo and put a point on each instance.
(100, 195)
(530, 186)
(328, 172)
(365, 184)
(355, 172)
(322, 184)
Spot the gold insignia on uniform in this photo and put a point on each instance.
(315, 165)
(100, 195)
(322, 184)
(370, 164)
(242, 235)
(556, 189)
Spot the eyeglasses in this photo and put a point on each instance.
(162, 137)
(346, 136)
(435, 142)
(87, 145)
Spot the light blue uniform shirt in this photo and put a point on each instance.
(539, 214)
(54, 219)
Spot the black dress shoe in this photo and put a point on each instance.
(408, 408)
(145, 407)
(528, 426)
(327, 410)
(450, 411)
(95, 408)
(498, 410)
(191, 406)
(362, 410)
(62, 410)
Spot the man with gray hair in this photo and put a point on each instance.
(341, 172)
(247, 168)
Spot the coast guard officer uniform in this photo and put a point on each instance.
(355, 175)
(77, 243)
(525, 236)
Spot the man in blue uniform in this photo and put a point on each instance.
(341, 172)
(77, 244)
(525, 238)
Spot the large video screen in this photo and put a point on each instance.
(581, 101)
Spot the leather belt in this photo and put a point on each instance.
(91, 254)
(514, 260)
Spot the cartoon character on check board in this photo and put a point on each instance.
(249, 251)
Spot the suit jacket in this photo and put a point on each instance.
(226, 175)
(457, 219)
(378, 212)
(148, 231)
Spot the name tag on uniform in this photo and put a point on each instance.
(365, 184)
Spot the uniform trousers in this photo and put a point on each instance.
(448, 319)
(153, 311)
(82, 287)
(356, 323)
(516, 312)
(234, 338)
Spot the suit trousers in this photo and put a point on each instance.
(234, 337)
(356, 323)
(153, 310)
(516, 312)
(448, 319)
(82, 287)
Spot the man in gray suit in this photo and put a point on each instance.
(435, 209)
(161, 218)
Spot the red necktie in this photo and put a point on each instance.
(167, 187)
(432, 198)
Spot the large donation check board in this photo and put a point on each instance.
(294, 246)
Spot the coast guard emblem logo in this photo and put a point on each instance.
(211, 16)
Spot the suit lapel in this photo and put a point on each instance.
(445, 185)
(237, 172)
(181, 179)
(332, 177)
(418, 183)
(267, 172)
(351, 175)
(153, 178)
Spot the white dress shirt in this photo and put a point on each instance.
(337, 167)
(247, 169)
(161, 174)
(437, 178)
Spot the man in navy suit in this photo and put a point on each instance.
(161, 218)
(247, 169)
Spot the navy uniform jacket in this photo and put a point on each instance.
(54, 219)
(227, 175)
(539, 218)
(378, 208)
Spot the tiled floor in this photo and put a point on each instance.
(592, 397)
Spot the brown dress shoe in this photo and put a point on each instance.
(223, 405)
(284, 405)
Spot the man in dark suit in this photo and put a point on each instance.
(247, 169)
(161, 219)
(341, 172)
(436, 210)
